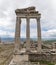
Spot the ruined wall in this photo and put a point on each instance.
(42, 57)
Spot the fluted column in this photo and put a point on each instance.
(39, 34)
(17, 33)
(27, 34)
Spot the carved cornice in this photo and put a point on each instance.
(30, 11)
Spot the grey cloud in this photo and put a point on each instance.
(48, 15)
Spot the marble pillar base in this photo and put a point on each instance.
(17, 59)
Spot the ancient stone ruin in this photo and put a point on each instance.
(27, 13)
(22, 57)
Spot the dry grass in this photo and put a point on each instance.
(6, 51)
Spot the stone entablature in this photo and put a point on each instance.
(30, 11)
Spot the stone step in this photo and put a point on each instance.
(25, 63)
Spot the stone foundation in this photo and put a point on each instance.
(42, 57)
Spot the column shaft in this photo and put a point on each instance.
(28, 34)
(17, 33)
(39, 34)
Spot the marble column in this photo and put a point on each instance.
(39, 34)
(27, 34)
(17, 33)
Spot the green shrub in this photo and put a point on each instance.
(50, 64)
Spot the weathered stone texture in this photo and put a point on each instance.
(27, 13)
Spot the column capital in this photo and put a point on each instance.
(27, 17)
(18, 19)
(38, 18)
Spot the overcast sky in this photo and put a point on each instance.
(47, 8)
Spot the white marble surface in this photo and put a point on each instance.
(18, 58)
